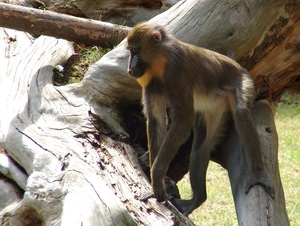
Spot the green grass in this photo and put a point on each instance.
(219, 210)
(76, 66)
(288, 127)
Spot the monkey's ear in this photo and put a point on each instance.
(157, 36)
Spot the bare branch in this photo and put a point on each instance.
(57, 25)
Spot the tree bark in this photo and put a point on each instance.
(256, 208)
(124, 12)
(39, 22)
(77, 173)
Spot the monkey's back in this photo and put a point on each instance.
(209, 70)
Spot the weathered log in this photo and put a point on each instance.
(10, 169)
(10, 192)
(123, 12)
(257, 207)
(77, 174)
(41, 22)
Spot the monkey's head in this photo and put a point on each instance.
(145, 43)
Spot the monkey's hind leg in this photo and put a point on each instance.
(207, 129)
(182, 205)
(198, 166)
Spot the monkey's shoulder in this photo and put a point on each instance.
(199, 54)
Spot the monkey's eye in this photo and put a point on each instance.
(134, 50)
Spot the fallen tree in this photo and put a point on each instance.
(71, 141)
(39, 22)
(125, 12)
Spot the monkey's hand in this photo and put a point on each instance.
(261, 177)
(158, 183)
(158, 172)
(159, 190)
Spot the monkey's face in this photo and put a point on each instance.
(143, 43)
(136, 66)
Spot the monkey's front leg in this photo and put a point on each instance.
(158, 173)
(159, 169)
(180, 127)
(155, 110)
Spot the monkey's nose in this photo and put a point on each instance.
(129, 71)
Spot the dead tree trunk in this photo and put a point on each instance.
(124, 12)
(78, 174)
(256, 208)
(39, 22)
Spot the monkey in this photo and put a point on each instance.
(200, 87)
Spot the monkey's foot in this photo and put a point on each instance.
(261, 177)
(184, 206)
